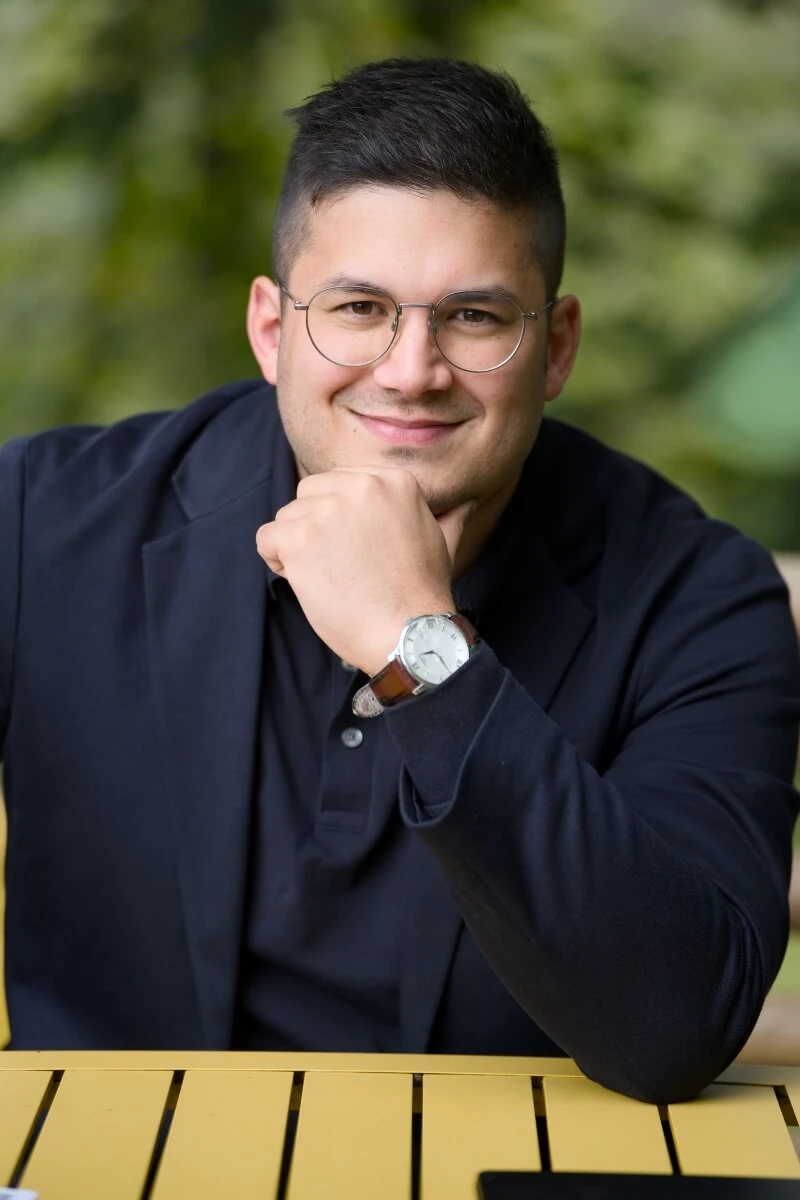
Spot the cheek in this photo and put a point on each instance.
(306, 379)
(516, 409)
(512, 421)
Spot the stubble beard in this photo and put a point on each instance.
(438, 499)
(307, 443)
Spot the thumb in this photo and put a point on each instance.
(452, 525)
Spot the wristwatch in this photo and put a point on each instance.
(430, 648)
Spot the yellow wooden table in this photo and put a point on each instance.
(191, 1126)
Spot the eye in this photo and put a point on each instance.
(354, 306)
(362, 308)
(474, 316)
(478, 314)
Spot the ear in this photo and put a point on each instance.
(562, 344)
(264, 325)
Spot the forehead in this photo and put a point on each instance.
(429, 241)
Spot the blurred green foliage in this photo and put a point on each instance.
(141, 148)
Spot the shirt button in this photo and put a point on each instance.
(352, 738)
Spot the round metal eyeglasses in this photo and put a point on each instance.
(354, 326)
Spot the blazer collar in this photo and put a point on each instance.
(236, 450)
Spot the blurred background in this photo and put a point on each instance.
(141, 149)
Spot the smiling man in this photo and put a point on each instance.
(486, 748)
(432, 407)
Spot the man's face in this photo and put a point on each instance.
(463, 435)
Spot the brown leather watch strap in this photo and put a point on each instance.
(467, 628)
(393, 683)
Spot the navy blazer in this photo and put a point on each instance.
(615, 845)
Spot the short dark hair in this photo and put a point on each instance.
(423, 124)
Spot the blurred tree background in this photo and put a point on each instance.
(141, 149)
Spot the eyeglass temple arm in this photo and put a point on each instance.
(533, 315)
(298, 306)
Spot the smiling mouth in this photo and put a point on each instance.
(401, 424)
(419, 432)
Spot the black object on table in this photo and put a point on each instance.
(538, 1185)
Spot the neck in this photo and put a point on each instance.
(480, 525)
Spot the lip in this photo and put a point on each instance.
(407, 433)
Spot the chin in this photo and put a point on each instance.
(441, 500)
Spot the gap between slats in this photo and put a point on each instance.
(540, 1111)
(292, 1117)
(666, 1129)
(170, 1104)
(790, 1114)
(36, 1128)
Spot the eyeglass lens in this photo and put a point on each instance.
(475, 331)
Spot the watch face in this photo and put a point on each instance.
(433, 648)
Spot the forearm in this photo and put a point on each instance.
(611, 933)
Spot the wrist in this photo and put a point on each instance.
(391, 627)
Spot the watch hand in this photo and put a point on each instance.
(427, 653)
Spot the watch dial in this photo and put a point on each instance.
(434, 648)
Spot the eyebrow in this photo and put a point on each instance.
(489, 289)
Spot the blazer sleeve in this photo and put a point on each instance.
(637, 913)
(12, 459)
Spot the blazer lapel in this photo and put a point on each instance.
(539, 624)
(206, 593)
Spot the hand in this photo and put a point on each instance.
(363, 554)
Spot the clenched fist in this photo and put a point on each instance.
(363, 553)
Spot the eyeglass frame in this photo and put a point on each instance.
(399, 306)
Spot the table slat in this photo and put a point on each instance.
(21, 1093)
(353, 1138)
(592, 1129)
(99, 1135)
(473, 1123)
(794, 1134)
(733, 1129)
(226, 1138)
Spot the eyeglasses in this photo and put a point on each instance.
(357, 326)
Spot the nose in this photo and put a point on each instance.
(414, 365)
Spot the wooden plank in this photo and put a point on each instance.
(226, 1138)
(794, 1134)
(353, 1138)
(474, 1123)
(21, 1094)
(222, 1060)
(733, 1129)
(592, 1129)
(99, 1136)
(769, 1074)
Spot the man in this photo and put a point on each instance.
(558, 823)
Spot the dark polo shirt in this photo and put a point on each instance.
(331, 860)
